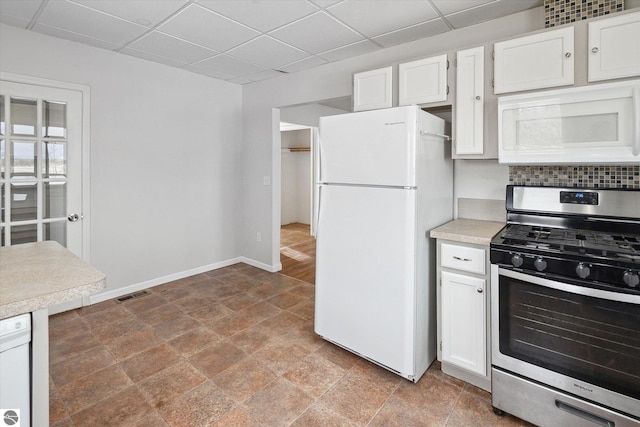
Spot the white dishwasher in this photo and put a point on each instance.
(15, 371)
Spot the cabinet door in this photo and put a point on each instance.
(423, 81)
(372, 89)
(533, 62)
(470, 101)
(613, 47)
(463, 318)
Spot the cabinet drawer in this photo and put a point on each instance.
(463, 258)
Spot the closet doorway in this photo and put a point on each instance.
(297, 243)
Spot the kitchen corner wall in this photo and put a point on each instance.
(559, 12)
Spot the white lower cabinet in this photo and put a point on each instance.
(463, 314)
(463, 321)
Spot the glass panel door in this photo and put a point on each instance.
(40, 165)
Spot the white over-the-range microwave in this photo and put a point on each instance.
(596, 124)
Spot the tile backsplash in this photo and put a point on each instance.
(558, 12)
(576, 176)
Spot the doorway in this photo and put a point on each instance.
(297, 243)
(297, 238)
(42, 139)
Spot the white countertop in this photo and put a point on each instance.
(37, 275)
(464, 230)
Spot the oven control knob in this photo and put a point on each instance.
(582, 270)
(517, 260)
(540, 264)
(631, 279)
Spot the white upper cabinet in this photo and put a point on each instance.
(537, 61)
(423, 81)
(469, 122)
(373, 89)
(613, 47)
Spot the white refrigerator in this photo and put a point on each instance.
(386, 179)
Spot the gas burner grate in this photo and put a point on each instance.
(573, 240)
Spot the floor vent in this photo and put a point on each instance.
(131, 296)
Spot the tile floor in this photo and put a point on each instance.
(234, 347)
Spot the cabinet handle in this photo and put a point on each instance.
(462, 259)
(594, 50)
(568, 54)
(479, 290)
(478, 97)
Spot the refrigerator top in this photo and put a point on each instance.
(378, 147)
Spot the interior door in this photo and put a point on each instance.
(40, 165)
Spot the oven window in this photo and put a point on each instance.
(591, 339)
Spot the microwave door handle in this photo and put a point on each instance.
(636, 120)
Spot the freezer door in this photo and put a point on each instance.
(365, 269)
(370, 147)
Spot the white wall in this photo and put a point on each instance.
(165, 157)
(262, 99)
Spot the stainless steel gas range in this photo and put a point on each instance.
(565, 307)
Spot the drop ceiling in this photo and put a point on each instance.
(244, 41)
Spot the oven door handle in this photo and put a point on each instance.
(574, 289)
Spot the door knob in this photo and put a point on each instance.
(73, 217)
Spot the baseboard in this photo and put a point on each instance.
(104, 296)
(261, 265)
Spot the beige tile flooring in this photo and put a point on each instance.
(234, 347)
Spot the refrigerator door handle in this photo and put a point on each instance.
(438, 135)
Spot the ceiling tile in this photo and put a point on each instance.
(209, 73)
(206, 28)
(355, 49)
(79, 38)
(305, 64)
(267, 52)
(375, 17)
(416, 32)
(14, 21)
(263, 15)
(325, 3)
(81, 20)
(143, 12)
(303, 34)
(22, 9)
(447, 7)
(269, 74)
(228, 65)
(240, 80)
(151, 57)
(490, 11)
(167, 46)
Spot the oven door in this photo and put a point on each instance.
(576, 339)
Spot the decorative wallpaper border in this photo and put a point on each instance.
(558, 12)
(576, 176)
